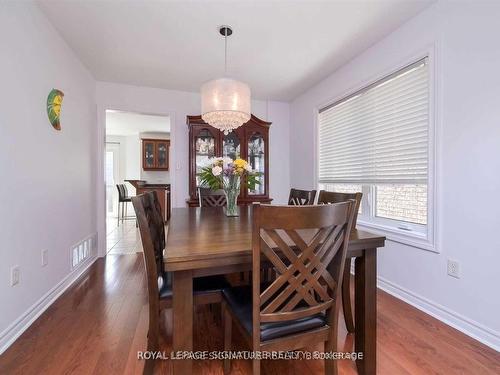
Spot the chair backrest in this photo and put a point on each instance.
(327, 197)
(121, 192)
(307, 246)
(211, 198)
(301, 197)
(152, 228)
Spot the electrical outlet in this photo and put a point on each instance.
(453, 268)
(45, 257)
(14, 275)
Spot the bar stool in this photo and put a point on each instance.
(123, 198)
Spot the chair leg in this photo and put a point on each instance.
(256, 366)
(346, 297)
(228, 325)
(153, 346)
(149, 367)
(118, 213)
(153, 338)
(331, 365)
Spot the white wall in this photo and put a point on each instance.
(465, 38)
(130, 163)
(133, 157)
(48, 185)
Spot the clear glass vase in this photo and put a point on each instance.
(232, 190)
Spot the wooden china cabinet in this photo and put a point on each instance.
(250, 142)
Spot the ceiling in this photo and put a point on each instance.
(280, 48)
(128, 123)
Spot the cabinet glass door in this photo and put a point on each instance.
(149, 154)
(204, 149)
(257, 159)
(231, 146)
(162, 155)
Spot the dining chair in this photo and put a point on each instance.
(301, 197)
(307, 245)
(327, 197)
(211, 198)
(207, 290)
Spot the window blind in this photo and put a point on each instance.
(380, 133)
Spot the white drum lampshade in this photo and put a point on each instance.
(225, 104)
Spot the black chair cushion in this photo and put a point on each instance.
(200, 284)
(240, 300)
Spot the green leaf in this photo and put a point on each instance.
(207, 179)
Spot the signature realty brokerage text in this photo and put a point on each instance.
(247, 355)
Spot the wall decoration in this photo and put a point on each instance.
(54, 102)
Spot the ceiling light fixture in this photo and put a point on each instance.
(225, 102)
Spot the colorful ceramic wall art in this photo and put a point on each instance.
(54, 102)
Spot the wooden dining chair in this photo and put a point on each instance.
(211, 198)
(307, 245)
(328, 197)
(301, 197)
(152, 228)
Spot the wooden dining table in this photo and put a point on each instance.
(203, 242)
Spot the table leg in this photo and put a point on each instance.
(182, 303)
(365, 294)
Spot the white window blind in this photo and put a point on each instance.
(379, 134)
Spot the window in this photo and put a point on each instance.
(376, 141)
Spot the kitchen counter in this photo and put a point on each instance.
(145, 184)
(162, 191)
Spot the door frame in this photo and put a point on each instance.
(100, 172)
(116, 164)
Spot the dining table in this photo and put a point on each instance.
(204, 241)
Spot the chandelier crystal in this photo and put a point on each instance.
(225, 102)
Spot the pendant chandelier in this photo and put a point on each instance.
(225, 102)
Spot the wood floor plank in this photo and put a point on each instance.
(100, 323)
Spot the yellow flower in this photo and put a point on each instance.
(240, 163)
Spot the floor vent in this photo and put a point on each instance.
(82, 251)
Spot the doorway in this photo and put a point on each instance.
(127, 135)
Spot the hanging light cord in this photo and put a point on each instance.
(225, 52)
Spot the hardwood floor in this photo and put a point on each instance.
(98, 326)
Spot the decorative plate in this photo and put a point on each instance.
(54, 102)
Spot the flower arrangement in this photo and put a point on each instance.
(225, 173)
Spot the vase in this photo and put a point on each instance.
(232, 190)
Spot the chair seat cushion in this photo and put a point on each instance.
(240, 300)
(200, 284)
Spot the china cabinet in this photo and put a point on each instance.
(249, 142)
(155, 154)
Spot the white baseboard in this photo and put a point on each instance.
(16, 329)
(465, 325)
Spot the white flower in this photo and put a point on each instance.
(248, 168)
(216, 171)
(226, 160)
